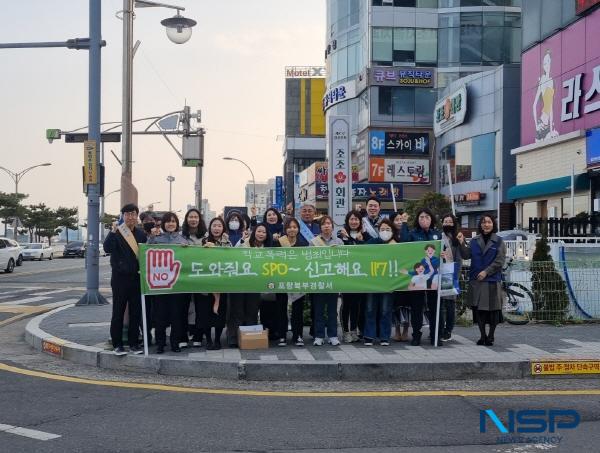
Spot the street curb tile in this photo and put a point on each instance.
(291, 370)
(199, 368)
(130, 362)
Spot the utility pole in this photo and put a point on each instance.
(170, 179)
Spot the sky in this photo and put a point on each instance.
(232, 69)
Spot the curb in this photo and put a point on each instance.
(280, 370)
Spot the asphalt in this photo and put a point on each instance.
(82, 334)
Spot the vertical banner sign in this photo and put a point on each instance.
(340, 176)
(297, 201)
(279, 192)
(90, 163)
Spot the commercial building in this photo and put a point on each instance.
(476, 124)
(386, 62)
(304, 141)
(558, 161)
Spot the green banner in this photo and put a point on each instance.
(341, 269)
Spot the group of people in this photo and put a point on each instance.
(363, 317)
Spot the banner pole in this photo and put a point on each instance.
(451, 190)
(144, 331)
(393, 197)
(437, 308)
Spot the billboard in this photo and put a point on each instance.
(560, 83)
(402, 77)
(592, 147)
(408, 171)
(364, 191)
(383, 143)
(450, 111)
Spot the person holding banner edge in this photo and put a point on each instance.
(325, 301)
(168, 308)
(401, 308)
(122, 244)
(423, 230)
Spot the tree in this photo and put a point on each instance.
(550, 298)
(41, 221)
(438, 203)
(67, 217)
(11, 208)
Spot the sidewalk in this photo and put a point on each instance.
(80, 334)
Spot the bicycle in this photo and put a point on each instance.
(518, 305)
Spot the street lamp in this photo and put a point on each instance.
(102, 207)
(149, 206)
(179, 30)
(170, 179)
(253, 180)
(16, 177)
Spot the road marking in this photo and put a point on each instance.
(12, 293)
(376, 394)
(90, 324)
(47, 293)
(26, 432)
(25, 301)
(60, 303)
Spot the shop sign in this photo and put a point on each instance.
(364, 191)
(408, 171)
(339, 93)
(340, 174)
(403, 77)
(583, 5)
(469, 198)
(393, 143)
(450, 111)
(279, 192)
(572, 101)
(304, 72)
(592, 147)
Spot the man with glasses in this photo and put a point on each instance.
(122, 244)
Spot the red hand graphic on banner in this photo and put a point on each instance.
(162, 270)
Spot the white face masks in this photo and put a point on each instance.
(234, 225)
(385, 235)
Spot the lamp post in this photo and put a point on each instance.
(102, 207)
(253, 180)
(16, 177)
(179, 31)
(170, 179)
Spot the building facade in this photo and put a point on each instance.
(557, 162)
(476, 124)
(388, 60)
(304, 141)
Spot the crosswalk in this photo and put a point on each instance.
(20, 302)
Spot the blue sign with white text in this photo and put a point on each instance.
(592, 146)
(279, 192)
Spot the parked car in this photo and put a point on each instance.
(9, 255)
(75, 248)
(37, 251)
(12, 244)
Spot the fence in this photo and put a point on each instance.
(550, 291)
(575, 226)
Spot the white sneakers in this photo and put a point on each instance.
(318, 342)
(347, 338)
(333, 341)
(299, 342)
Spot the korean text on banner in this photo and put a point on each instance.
(353, 269)
(340, 176)
(90, 164)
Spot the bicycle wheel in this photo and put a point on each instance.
(517, 307)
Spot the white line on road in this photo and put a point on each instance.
(13, 292)
(60, 303)
(25, 432)
(56, 291)
(25, 301)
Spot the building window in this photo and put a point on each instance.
(397, 46)
(403, 104)
(470, 160)
(382, 45)
(426, 40)
(385, 100)
(404, 45)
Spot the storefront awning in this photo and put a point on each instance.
(548, 187)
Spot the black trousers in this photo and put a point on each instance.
(280, 324)
(202, 307)
(418, 301)
(242, 310)
(126, 292)
(350, 311)
(167, 311)
(298, 318)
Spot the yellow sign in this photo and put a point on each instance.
(546, 367)
(90, 163)
(52, 348)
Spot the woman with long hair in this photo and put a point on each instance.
(401, 310)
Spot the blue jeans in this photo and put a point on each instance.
(381, 302)
(328, 302)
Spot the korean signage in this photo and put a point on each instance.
(340, 174)
(403, 77)
(560, 88)
(90, 163)
(166, 269)
(469, 198)
(408, 171)
(450, 111)
(339, 93)
(304, 72)
(279, 192)
(383, 143)
(364, 191)
(322, 175)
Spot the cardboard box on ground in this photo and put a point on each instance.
(253, 337)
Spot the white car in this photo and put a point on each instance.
(10, 255)
(37, 251)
